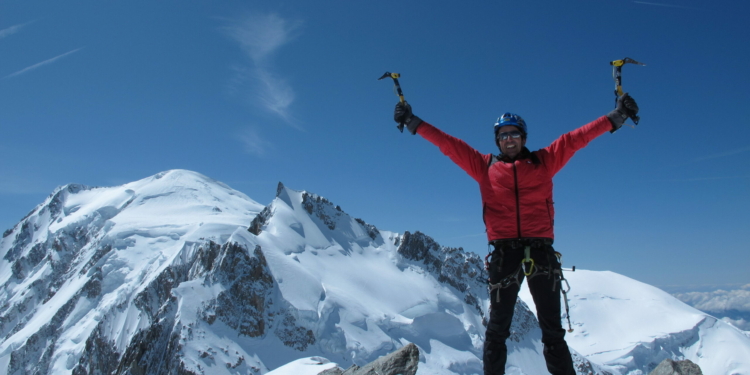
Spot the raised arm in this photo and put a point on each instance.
(470, 160)
(562, 149)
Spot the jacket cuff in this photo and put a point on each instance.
(413, 124)
(617, 118)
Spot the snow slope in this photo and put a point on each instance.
(304, 366)
(178, 273)
(347, 282)
(629, 326)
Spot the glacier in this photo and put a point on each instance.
(180, 274)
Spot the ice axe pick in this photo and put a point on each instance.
(395, 77)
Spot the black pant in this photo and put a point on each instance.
(545, 289)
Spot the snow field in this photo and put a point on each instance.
(363, 297)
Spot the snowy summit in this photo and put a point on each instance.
(179, 273)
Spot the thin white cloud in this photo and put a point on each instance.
(718, 301)
(724, 154)
(260, 37)
(12, 30)
(696, 179)
(276, 94)
(45, 62)
(253, 143)
(665, 5)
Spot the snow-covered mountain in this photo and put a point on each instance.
(631, 326)
(180, 274)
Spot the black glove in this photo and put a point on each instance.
(626, 107)
(403, 116)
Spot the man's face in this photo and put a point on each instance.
(510, 146)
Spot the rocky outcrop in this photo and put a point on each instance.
(670, 367)
(453, 266)
(247, 279)
(246, 305)
(321, 208)
(259, 221)
(403, 361)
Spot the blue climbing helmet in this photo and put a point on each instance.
(513, 120)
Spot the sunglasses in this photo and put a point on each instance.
(505, 135)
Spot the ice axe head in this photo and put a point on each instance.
(624, 61)
(617, 73)
(389, 74)
(395, 77)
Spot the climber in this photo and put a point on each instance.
(518, 212)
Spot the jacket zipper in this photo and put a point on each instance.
(518, 201)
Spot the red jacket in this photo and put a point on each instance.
(516, 195)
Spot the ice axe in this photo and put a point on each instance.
(617, 75)
(395, 77)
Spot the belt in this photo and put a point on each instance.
(520, 243)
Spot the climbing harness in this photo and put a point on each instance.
(533, 270)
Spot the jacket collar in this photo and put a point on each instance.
(524, 154)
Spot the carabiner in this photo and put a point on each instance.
(528, 259)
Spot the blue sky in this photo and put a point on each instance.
(253, 93)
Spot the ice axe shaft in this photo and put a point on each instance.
(617, 75)
(395, 77)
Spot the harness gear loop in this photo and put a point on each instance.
(495, 287)
(564, 291)
(527, 271)
(506, 282)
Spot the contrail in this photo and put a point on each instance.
(723, 154)
(12, 30)
(665, 5)
(699, 179)
(45, 62)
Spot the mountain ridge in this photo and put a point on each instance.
(180, 274)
